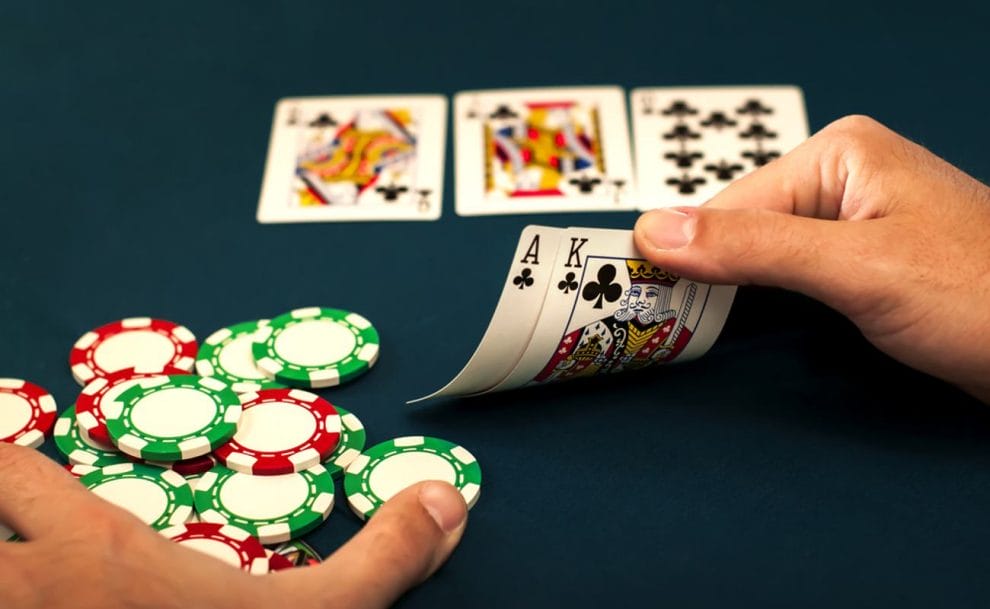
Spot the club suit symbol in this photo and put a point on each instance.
(524, 279)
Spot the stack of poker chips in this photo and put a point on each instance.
(237, 455)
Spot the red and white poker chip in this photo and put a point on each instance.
(231, 544)
(278, 562)
(141, 343)
(90, 417)
(187, 467)
(27, 413)
(281, 431)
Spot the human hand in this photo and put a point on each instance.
(84, 552)
(866, 221)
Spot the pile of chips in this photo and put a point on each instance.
(238, 455)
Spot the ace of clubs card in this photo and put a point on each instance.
(355, 158)
(542, 150)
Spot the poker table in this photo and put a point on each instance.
(794, 465)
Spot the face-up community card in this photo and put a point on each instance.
(515, 317)
(542, 150)
(606, 310)
(355, 158)
(692, 142)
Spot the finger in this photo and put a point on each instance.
(824, 259)
(403, 544)
(37, 495)
(816, 178)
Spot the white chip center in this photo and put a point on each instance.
(143, 498)
(275, 426)
(236, 358)
(214, 548)
(173, 412)
(316, 342)
(15, 414)
(264, 497)
(142, 349)
(405, 469)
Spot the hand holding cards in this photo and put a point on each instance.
(582, 302)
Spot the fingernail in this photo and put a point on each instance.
(444, 504)
(668, 228)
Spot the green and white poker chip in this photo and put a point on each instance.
(78, 448)
(274, 509)
(171, 418)
(352, 441)
(226, 355)
(316, 347)
(158, 497)
(387, 468)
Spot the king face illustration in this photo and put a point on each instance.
(640, 331)
(337, 164)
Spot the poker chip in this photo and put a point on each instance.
(232, 545)
(352, 439)
(281, 431)
(385, 469)
(89, 411)
(159, 498)
(27, 412)
(80, 449)
(316, 347)
(226, 355)
(188, 467)
(277, 562)
(141, 343)
(78, 471)
(8, 534)
(171, 418)
(299, 553)
(273, 508)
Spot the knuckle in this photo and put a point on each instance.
(855, 134)
(747, 246)
(855, 123)
(397, 542)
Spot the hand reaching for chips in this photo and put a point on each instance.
(132, 565)
(867, 222)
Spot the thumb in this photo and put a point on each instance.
(825, 259)
(405, 541)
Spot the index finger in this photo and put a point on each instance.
(812, 180)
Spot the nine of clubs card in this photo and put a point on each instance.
(355, 158)
(692, 142)
(542, 150)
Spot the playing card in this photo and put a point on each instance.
(692, 142)
(542, 150)
(355, 158)
(608, 310)
(515, 315)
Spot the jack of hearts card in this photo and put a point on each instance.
(542, 150)
(355, 158)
